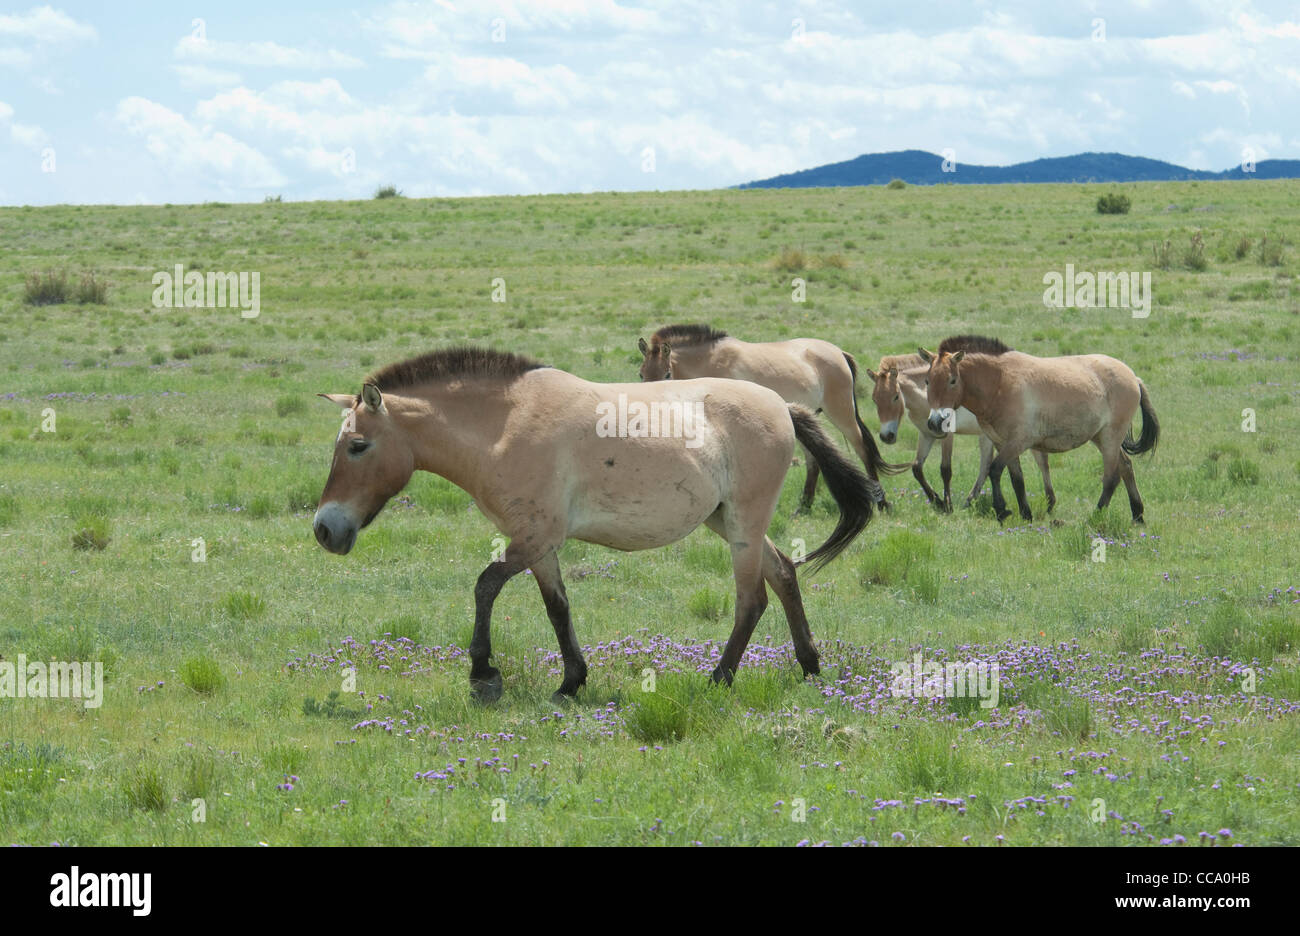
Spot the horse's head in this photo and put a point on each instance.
(943, 390)
(655, 364)
(372, 462)
(888, 397)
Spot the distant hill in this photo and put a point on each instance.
(917, 167)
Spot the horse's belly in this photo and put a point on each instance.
(646, 508)
(630, 532)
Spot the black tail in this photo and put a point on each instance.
(1150, 428)
(853, 491)
(876, 465)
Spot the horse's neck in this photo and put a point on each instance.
(982, 377)
(912, 385)
(446, 436)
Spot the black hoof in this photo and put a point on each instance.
(721, 675)
(811, 669)
(1002, 514)
(487, 688)
(1138, 519)
(568, 690)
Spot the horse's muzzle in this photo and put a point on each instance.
(334, 529)
(889, 433)
(941, 422)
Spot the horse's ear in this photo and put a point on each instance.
(373, 399)
(664, 349)
(872, 374)
(956, 358)
(345, 400)
(642, 346)
(925, 355)
(893, 370)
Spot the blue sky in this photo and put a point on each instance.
(162, 102)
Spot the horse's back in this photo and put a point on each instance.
(800, 370)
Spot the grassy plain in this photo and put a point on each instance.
(1163, 681)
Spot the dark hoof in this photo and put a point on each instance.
(721, 675)
(486, 689)
(1138, 519)
(1002, 514)
(811, 669)
(568, 690)
(802, 509)
(1026, 516)
(885, 506)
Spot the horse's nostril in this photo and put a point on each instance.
(322, 534)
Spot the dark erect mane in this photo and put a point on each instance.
(972, 344)
(682, 336)
(464, 361)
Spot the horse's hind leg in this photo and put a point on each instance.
(1110, 466)
(751, 594)
(547, 573)
(779, 572)
(843, 414)
(1130, 482)
(1041, 458)
(814, 471)
(485, 679)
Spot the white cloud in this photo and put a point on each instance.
(264, 54)
(45, 24)
(201, 76)
(191, 151)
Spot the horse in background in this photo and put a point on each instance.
(1049, 404)
(898, 389)
(806, 371)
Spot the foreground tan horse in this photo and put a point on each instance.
(807, 371)
(548, 456)
(898, 389)
(1050, 404)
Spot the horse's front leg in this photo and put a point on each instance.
(986, 459)
(1007, 455)
(1018, 485)
(485, 679)
(945, 471)
(923, 443)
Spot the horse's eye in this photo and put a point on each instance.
(895, 397)
(952, 382)
(358, 446)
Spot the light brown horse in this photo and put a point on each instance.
(1051, 404)
(898, 389)
(806, 371)
(548, 456)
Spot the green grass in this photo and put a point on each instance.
(180, 424)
